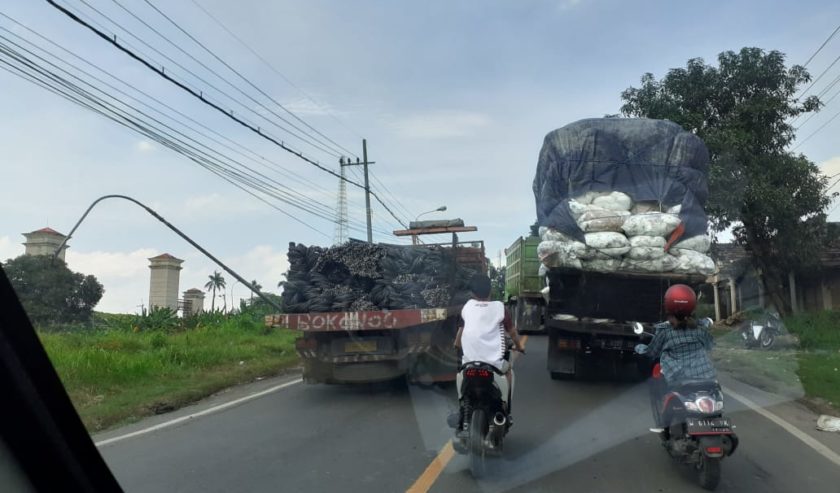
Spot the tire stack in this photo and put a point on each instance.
(359, 276)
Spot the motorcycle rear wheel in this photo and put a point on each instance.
(766, 339)
(709, 469)
(478, 428)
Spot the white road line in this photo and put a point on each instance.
(793, 430)
(211, 410)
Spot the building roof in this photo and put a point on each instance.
(47, 230)
(730, 259)
(166, 256)
(194, 290)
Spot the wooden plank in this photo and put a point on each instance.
(432, 231)
(342, 321)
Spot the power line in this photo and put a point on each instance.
(821, 46)
(274, 69)
(815, 113)
(213, 105)
(816, 131)
(121, 118)
(820, 76)
(253, 156)
(245, 79)
(313, 142)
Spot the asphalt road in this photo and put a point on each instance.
(570, 436)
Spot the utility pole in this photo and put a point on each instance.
(364, 163)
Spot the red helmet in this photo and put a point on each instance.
(680, 300)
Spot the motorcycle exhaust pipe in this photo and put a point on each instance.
(499, 419)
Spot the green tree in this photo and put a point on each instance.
(50, 292)
(216, 282)
(497, 282)
(773, 200)
(254, 285)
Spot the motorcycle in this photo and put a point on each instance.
(483, 415)
(690, 423)
(761, 334)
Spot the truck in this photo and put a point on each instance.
(378, 345)
(620, 205)
(589, 318)
(523, 284)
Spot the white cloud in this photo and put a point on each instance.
(830, 167)
(215, 205)
(144, 146)
(569, 4)
(125, 276)
(441, 124)
(308, 107)
(9, 249)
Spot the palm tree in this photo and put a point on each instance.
(216, 282)
(255, 286)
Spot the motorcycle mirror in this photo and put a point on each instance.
(638, 328)
(707, 322)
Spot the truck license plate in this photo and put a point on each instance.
(360, 347)
(708, 426)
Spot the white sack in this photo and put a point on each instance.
(610, 265)
(648, 241)
(651, 224)
(609, 243)
(666, 263)
(692, 262)
(645, 207)
(614, 201)
(699, 243)
(597, 219)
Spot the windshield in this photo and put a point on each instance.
(515, 246)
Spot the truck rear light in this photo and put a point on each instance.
(568, 343)
(714, 450)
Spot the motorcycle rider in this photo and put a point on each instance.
(680, 343)
(483, 336)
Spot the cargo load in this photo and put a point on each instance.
(623, 195)
(359, 276)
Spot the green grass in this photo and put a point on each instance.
(807, 364)
(816, 331)
(116, 375)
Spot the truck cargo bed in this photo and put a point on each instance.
(615, 296)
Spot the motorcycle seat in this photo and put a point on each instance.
(695, 385)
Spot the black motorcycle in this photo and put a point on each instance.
(762, 333)
(690, 422)
(483, 414)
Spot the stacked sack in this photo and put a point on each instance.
(620, 235)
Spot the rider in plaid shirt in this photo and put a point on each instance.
(683, 350)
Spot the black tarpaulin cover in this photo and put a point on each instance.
(649, 160)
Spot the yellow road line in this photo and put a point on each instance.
(430, 475)
(439, 463)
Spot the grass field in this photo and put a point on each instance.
(809, 368)
(118, 375)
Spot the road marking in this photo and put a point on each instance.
(793, 430)
(173, 422)
(430, 475)
(439, 463)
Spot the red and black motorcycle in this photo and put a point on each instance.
(690, 422)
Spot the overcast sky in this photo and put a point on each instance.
(453, 97)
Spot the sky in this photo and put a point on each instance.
(454, 99)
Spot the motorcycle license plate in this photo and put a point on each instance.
(708, 426)
(360, 347)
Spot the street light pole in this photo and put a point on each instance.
(178, 232)
(439, 209)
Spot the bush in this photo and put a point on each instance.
(816, 330)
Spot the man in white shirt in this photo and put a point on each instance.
(482, 335)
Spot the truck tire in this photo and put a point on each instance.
(556, 375)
